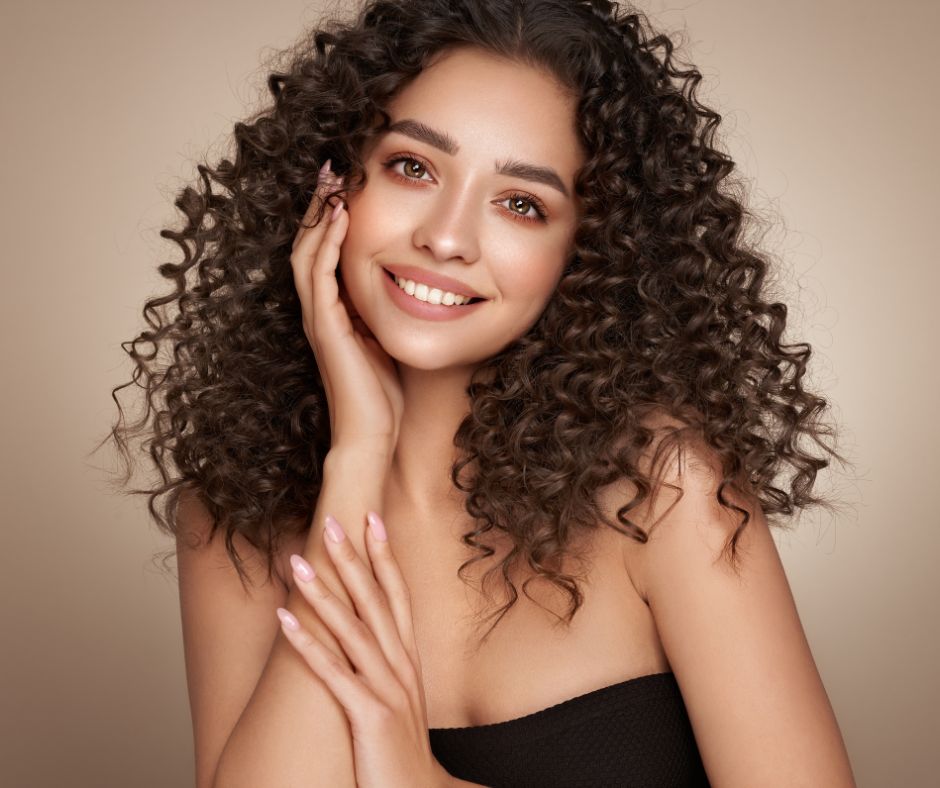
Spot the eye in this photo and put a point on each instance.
(520, 205)
(413, 170)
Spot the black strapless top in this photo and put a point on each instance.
(635, 734)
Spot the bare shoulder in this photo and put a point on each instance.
(690, 475)
(228, 628)
(732, 634)
(683, 513)
(194, 538)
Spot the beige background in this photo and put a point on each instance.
(830, 110)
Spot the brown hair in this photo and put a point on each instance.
(663, 306)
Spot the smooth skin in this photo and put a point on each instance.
(759, 711)
(383, 692)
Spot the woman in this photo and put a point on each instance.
(476, 279)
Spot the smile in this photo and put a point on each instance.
(431, 295)
(428, 303)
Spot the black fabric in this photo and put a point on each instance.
(635, 734)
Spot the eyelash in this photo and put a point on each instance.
(536, 203)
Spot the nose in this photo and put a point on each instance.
(449, 228)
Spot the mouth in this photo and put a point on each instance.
(391, 277)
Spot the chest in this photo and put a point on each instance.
(531, 660)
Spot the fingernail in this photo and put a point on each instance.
(302, 569)
(324, 170)
(287, 619)
(334, 529)
(336, 209)
(377, 526)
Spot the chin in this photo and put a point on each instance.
(407, 355)
(414, 353)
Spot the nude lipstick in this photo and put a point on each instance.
(422, 309)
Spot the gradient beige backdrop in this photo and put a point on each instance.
(830, 110)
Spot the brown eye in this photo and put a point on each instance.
(407, 167)
(518, 203)
(525, 208)
(414, 168)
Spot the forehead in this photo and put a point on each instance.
(494, 108)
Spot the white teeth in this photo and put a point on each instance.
(431, 295)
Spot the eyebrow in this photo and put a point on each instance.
(444, 142)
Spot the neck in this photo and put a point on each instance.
(435, 402)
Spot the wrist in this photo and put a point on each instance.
(357, 456)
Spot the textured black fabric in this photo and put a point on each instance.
(635, 734)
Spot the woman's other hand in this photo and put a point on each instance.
(383, 693)
(360, 379)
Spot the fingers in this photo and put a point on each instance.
(355, 637)
(330, 317)
(326, 179)
(308, 242)
(371, 601)
(345, 685)
(389, 575)
(393, 584)
(375, 615)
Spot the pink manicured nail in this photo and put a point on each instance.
(377, 526)
(336, 209)
(287, 619)
(302, 569)
(324, 170)
(334, 529)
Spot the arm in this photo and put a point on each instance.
(758, 707)
(250, 691)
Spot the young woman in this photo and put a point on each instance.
(476, 279)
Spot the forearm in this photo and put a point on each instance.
(293, 731)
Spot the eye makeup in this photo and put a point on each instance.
(537, 205)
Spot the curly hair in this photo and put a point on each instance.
(663, 305)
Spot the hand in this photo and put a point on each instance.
(363, 391)
(384, 697)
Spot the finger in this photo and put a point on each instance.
(371, 602)
(320, 192)
(356, 639)
(348, 688)
(308, 239)
(392, 582)
(329, 313)
(390, 577)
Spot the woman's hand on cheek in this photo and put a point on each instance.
(383, 695)
(363, 393)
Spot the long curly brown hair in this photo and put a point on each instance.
(663, 305)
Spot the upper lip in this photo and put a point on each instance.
(431, 279)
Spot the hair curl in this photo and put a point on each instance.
(662, 306)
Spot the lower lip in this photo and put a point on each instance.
(423, 309)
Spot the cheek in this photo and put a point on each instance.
(368, 235)
(372, 223)
(359, 242)
(532, 279)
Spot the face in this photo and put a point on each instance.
(472, 192)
